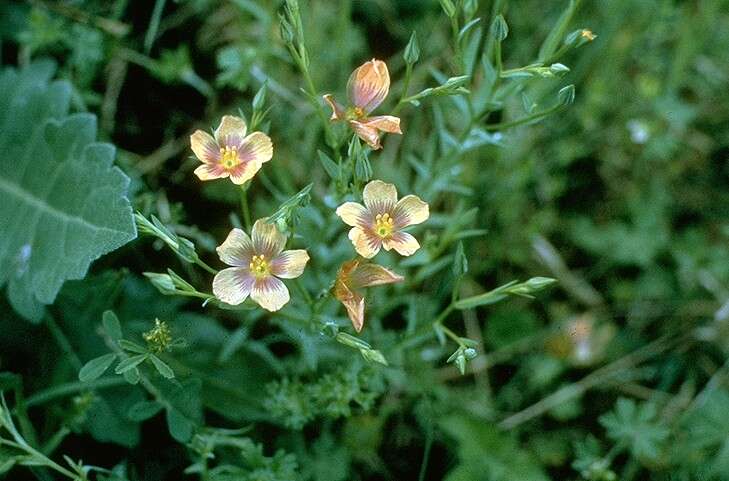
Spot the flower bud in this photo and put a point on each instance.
(163, 282)
(566, 95)
(499, 28)
(470, 353)
(448, 7)
(412, 50)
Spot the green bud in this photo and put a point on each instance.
(260, 99)
(412, 51)
(470, 353)
(558, 68)
(538, 283)
(460, 262)
(448, 7)
(373, 355)
(286, 30)
(351, 341)
(461, 364)
(163, 283)
(499, 28)
(579, 37)
(470, 7)
(566, 95)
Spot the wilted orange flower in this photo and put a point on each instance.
(380, 221)
(367, 87)
(258, 262)
(231, 153)
(358, 274)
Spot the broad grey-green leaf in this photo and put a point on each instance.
(63, 202)
(96, 367)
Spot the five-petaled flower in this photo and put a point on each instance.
(380, 221)
(258, 262)
(355, 275)
(368, 86)
(230, 152)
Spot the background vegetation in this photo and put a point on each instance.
(616, 187)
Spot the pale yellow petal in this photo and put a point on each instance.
(270, 293)
(403, 243)
(355, 306)
(237, 249)
(410, 210)
(256, 148)
(379, 197)
(210, 172)
(244, 172)
(385, 123)
(352, 213)
(230, 127)
(368, 85)
(366, 245)
(368, 274)
(370, 135)
(289, 264)
(337, 110)
(233, 285)
(267, 239)
(205, 148)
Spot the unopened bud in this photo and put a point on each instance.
(499, 28)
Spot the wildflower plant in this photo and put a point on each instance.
(463, 258)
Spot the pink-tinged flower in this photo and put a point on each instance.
(258, 262)
(355, 275)
(230, 152)
(380, 221)
(368, 86)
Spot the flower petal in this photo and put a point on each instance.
(352, 213)
(289, 264)
(368, 85)
(267, 239)
(368, 274)
(366, 245)
(270, 293)
(368, 134)
(256, 148)
(205, 147)
(379, 197)
(233, 285)
(210, 172)
(385, 123)
(355, 306)
(404, 243)
(237, 249)
(231, 130)
(242, 173)
(337, 110)
(410, 210)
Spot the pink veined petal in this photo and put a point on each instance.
(337, 110)
(367, 275)
(204, 147)
(231, 130)
(233, 285)
(355, 305)
(368, 85)
(366, 245)
(410, 210)
(289, 264)
(237, 249)
(403, 243)
(379, 197)
(352, 213)
(242, 173)
(366, 133)
(256, 148)
(210, 172)
(267, 239)
(385, 123)
(270, 293)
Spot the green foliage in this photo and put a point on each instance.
(59, 187)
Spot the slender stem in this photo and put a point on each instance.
(244, 206)
(523, 120)
(67, 389)
(205, 266)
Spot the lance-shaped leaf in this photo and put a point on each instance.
(63, 202)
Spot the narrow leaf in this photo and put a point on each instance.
(95, 368)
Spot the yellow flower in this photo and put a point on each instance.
(230, 153)
(358, 274)
(367, 87)
(257, 263)
(380, 221)
(588, 35)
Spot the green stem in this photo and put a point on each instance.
(205, 266)
(523, 120)
(244, 206)
(67, 389)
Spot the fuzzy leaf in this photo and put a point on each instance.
(63, 202)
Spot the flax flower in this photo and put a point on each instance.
(257, 264)
(355, 275)
(380, 221)
(230, 152)
(368, 86)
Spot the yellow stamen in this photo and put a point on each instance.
(383, 225)
(587, 34)
(229, 157)
(259, 266)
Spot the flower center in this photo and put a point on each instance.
(355, 113)
(229, 157)
(383, 225)
(259, 266)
